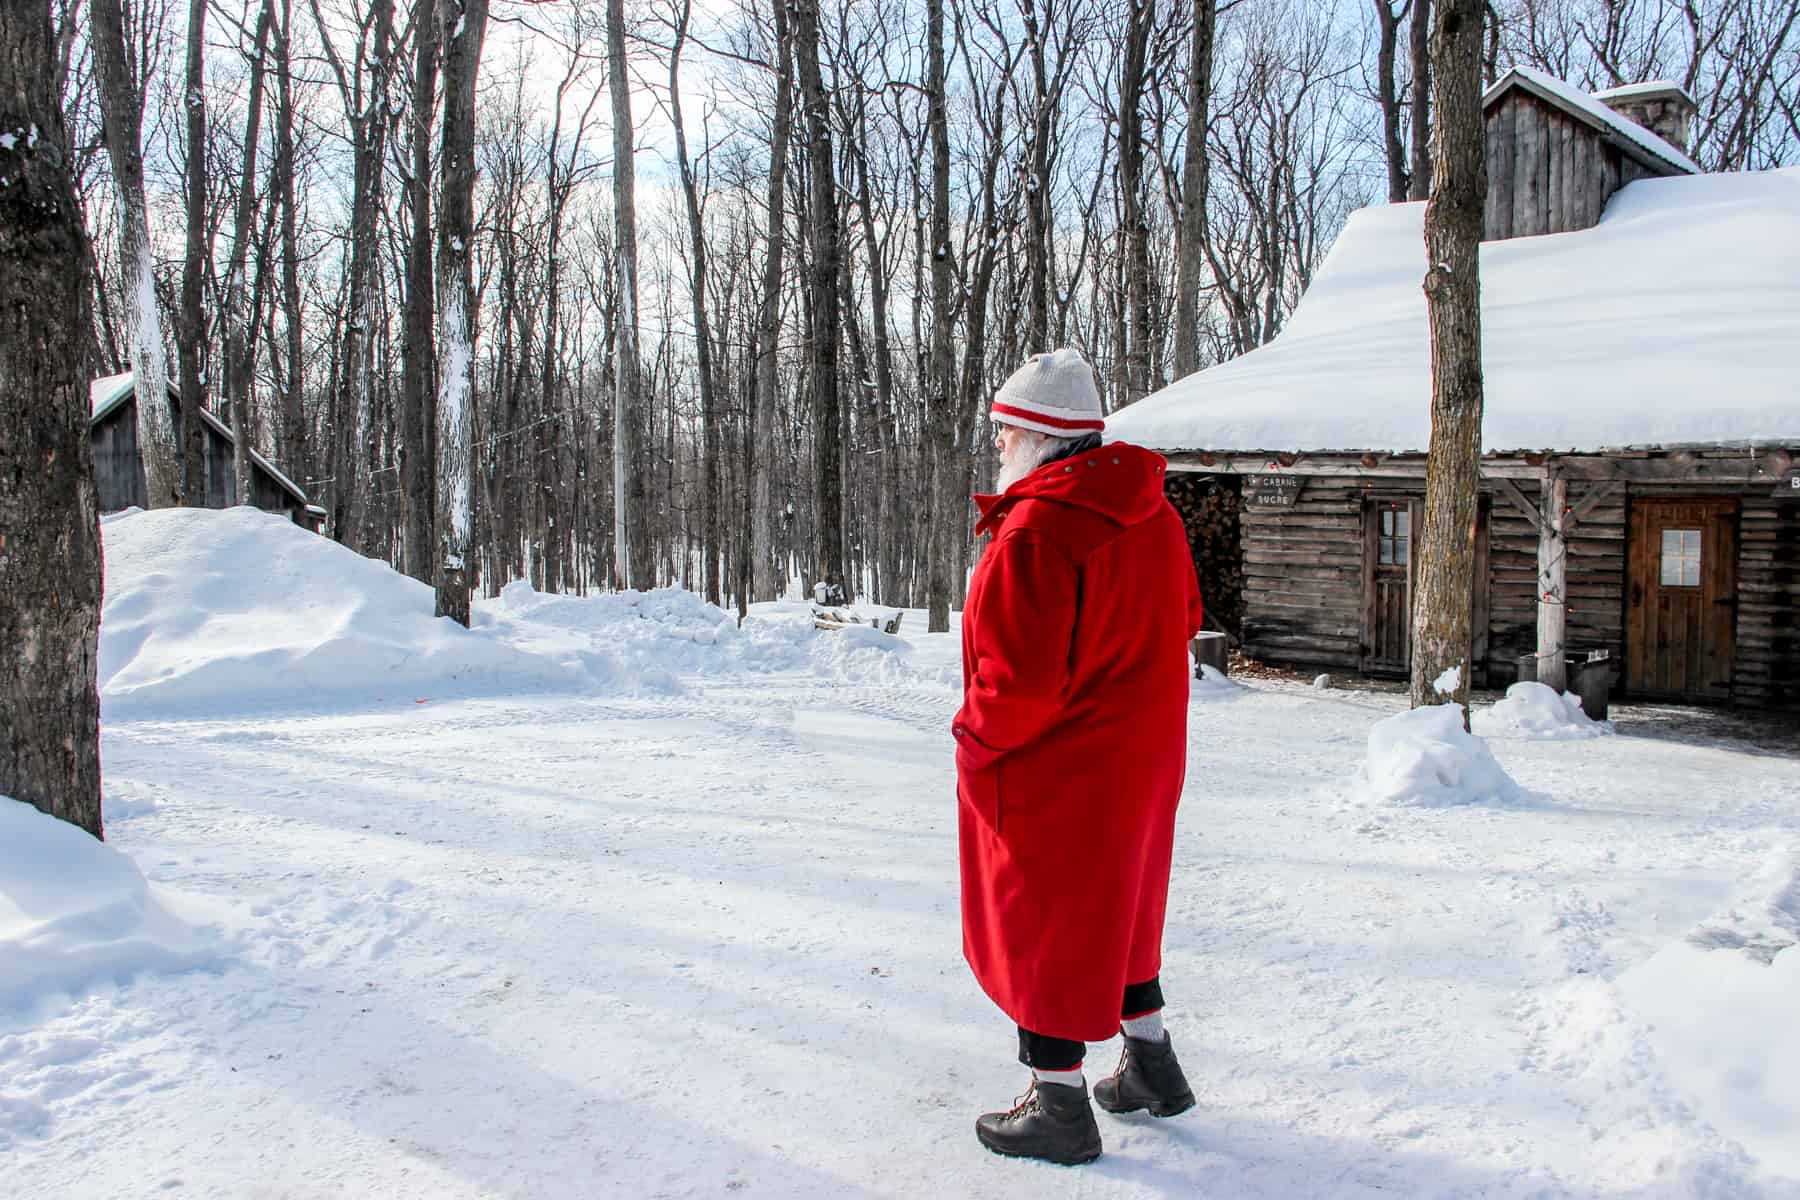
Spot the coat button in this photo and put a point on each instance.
(1066, 470)
(1115, 462)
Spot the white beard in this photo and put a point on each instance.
(1026, 457)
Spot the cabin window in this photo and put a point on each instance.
(1680, 558)
(1396, 535)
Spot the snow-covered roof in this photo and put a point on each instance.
(1649, 87)
(1579, 104)
(107, 393)
(1673, 322)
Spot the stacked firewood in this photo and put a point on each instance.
(1209, 506)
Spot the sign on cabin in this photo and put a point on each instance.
(1272, 491)
(1788, 487)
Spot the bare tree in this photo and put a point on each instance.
(50, 567)
(632, 546)
(240, 331)
(1190, 253)
(462, 28)
(418, 407)
(1442, 606)
(192, 324)
(122, 111)
(1419, 178)
(1387, 94)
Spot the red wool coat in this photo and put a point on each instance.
(1071, 743)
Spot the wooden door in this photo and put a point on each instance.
(1387, 586)
(1681, 600)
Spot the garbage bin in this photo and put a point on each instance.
(1589, 676)
(1211, 650)
(1590, 679)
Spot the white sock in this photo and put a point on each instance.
(1147, 1028)
(1070, 1078)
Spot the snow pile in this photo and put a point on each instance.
(1214, 684)
(1722, 1017)
(75, 912)
(1425, 757)
(1536, 710)
(1576, 335)
(633, 641)
(239, 608)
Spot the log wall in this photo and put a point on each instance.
(1547, 171)
(1303, 575)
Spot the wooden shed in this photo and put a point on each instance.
(1641, 468)
(119, 470)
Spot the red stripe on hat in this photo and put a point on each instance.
(1007, 410)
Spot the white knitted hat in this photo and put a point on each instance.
(1053, 393)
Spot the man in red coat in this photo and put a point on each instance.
(1071, 747)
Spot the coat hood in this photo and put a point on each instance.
(1119, 481)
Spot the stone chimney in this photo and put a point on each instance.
(1662, 107)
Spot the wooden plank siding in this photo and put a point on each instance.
(1303, 591)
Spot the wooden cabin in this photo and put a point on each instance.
(119, 469)
(1640, 490)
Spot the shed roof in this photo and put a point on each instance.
(1673, 322)
(109, 392)
(1627, 134)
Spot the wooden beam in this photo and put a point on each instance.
(1510, 490)
(1552, 585)
(1588, 502)
(1349, 467)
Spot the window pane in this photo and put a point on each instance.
(1690, 572)
(1680, 558)
(1671, 571)
(1671, 542)
(1387, 523)
(1400, 552)
(1387, 551)
(1405, 518)
(1690, 543)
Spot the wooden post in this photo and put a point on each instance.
(1552, 584)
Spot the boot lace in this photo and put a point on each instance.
(1026, 1104)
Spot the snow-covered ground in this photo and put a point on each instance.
(608, 897)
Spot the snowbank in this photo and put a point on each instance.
(1720, 1008)
(1538, 711)
(239, 608)
(1425, 757)
(75, 912)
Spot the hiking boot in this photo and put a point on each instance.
(1147, 1077)
(1052, 1121)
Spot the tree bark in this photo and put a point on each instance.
(292, 423)
(634, 559)
(1443, 599)
(49, 530)
(418, 404)
(1190, 253)
(828, 470)
(122, 111)
(240, 332)
(1135, 251)
(1388, 93)
(193, 267)
(940, 420)
(1423, 98)
(697, 284)
(462, 27)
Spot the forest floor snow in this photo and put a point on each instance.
(684, 923)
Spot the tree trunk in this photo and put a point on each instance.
(462, 27)
(697, 284)
(193, 267)
(122, 111)
(292, 424)
(240, 328)
(940, 421)
(50, 562)
(418, 404)
(1388, 93)
(634, 559)
(1423, 97)
(1453, 227)
(1135, 251)
(828, 469)
(1190, 252)
(767, 568)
